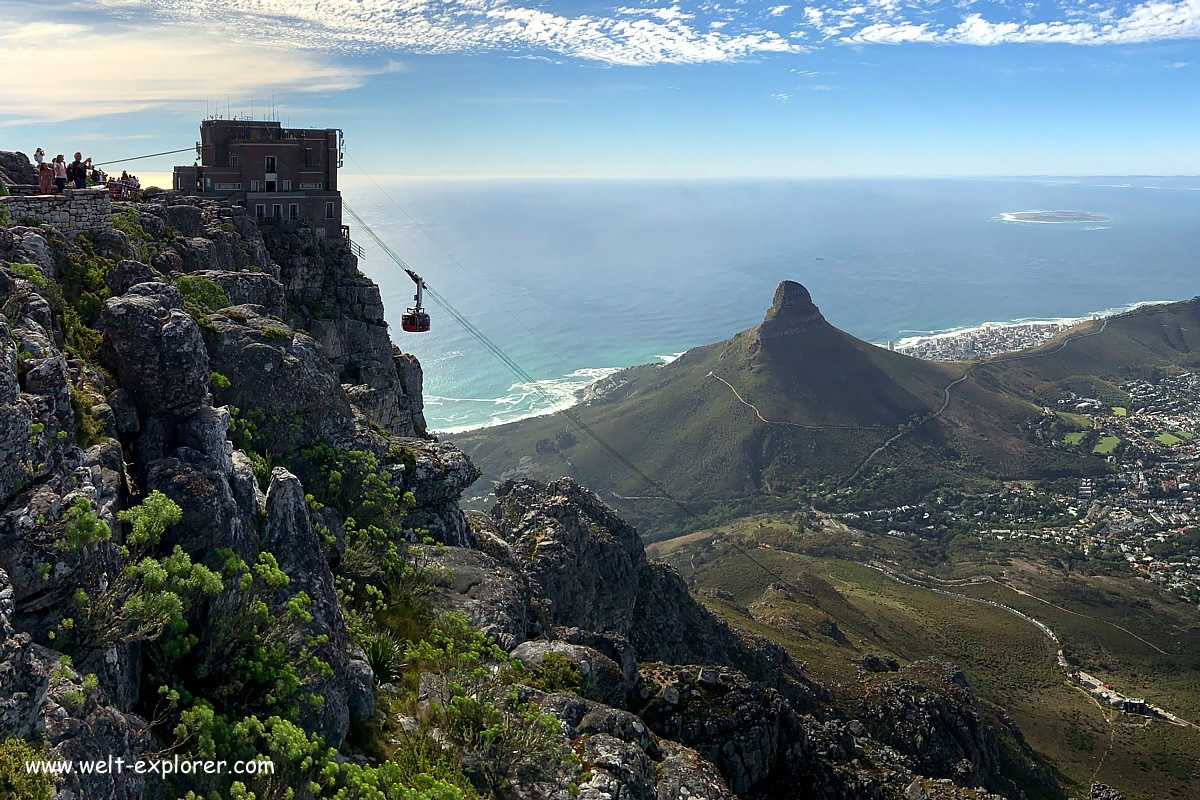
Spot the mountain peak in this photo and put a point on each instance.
(791, 312)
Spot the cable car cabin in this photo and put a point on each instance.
(415, 321)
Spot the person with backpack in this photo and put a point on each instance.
(78, 171)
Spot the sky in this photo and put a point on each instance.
(583, 88)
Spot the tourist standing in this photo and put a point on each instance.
(45, 177)
(60, 172)
(78, 171)
(39, 156)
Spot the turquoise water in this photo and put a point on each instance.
(576, 278)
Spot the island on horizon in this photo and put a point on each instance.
(1053, 216)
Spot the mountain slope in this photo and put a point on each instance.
(793, 401)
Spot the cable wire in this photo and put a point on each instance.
(148, 155)
(523, 375)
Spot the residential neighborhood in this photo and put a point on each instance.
(1140, 515)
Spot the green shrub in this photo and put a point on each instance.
(82, 527)
(481, 714)
(88, 428)
(277, 335)
(385, 654)
(149, 520)
(556, 673)
(16, 783)
(201, 292)
(29, 272)
(129, 223)
(218, 381)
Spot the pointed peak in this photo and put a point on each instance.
(791, 311)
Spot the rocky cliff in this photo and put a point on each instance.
(224, 534)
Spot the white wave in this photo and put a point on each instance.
(1011, 216)
(526, 399)
(670, 358)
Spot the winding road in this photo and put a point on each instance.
(1043, 627)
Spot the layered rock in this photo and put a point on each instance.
(348, 689)
(792, 311)
(588, 570)
(928, 712)
(15, 168)
(43, 698)
(343, 311)
(155, 349)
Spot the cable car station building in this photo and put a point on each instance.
(286, 174)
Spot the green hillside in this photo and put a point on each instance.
(793, 405)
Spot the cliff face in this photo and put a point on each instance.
(792, 311)
(174, 357)
(220, 527)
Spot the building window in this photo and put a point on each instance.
(270, 186)
(294, 212)
(308, 156)
(255, 185)
(277, 211)
(287, 185)
(260, 211)
(329, 210)
(233, 160)
(271, 164)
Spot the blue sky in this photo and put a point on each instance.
(715, 88)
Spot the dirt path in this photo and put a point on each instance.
(763, 419)
(946, 391)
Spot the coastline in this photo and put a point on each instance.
(909, 342)
(570, 390)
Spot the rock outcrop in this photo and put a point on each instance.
(588, 569)
(43, 698)
(348, 688)
(791, 312)
(928, 712)
(155, 349)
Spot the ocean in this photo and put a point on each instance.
(575, 279)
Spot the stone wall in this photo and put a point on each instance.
(72, 211)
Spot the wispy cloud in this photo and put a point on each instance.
(189, 65)
(626, 35)
(1092, 24)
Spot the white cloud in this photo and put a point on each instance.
(777, 11)
(782, 97)
(1150, 21)
(893, 33)
(180, 68)
(627, 35)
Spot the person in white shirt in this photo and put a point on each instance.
(60, 172)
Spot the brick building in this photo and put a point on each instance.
(279, 173)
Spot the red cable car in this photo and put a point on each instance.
(415, 320)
